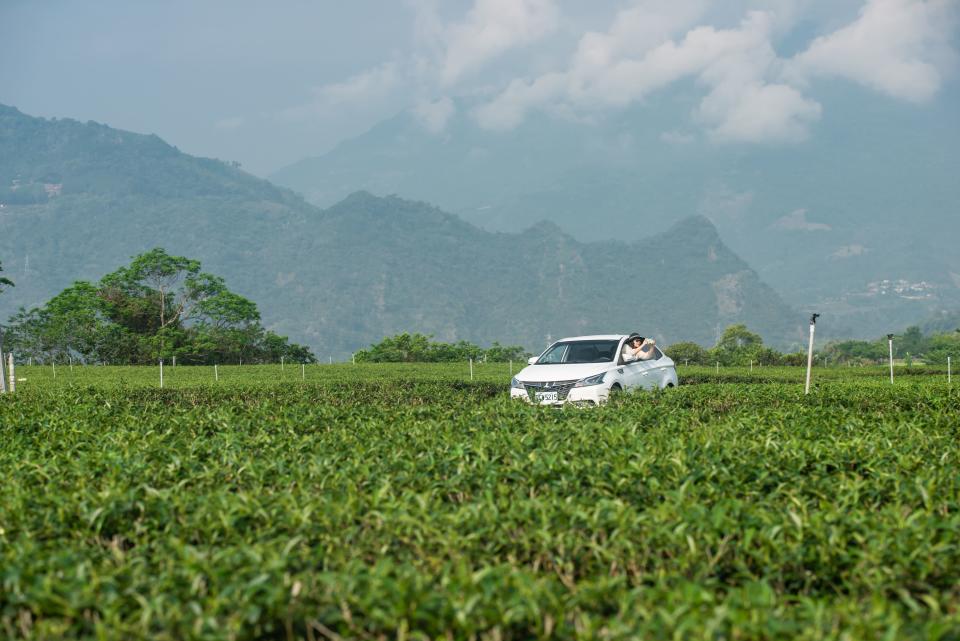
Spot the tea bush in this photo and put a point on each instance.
(409, 502)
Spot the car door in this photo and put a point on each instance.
(634, 374)
(645, 374)
(656, 370)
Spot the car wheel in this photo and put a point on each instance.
(616, 392)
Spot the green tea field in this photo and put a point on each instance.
(410, 502)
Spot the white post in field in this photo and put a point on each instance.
(949, 377)
(353, 358)
(511, 368)
(718, 368)
(813, 329)
(303, 371)
(216, 374)
(471, 369)
(161, 373)
(174, 361)
(11, 370)
(331, 360)
(3, 379)
(281, 363)
(54, 369)
(751, 367)
(890, 341)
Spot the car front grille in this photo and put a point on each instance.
(562, 388)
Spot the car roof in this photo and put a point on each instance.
(605, 337)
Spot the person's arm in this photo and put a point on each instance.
(629, 354)
(646, 349)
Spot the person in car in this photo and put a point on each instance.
(638, 348)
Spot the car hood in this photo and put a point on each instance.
(565, 372)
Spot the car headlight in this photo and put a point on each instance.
(590, 380)
(515, 384)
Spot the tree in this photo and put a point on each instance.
(737, 337)
(158, 306)
(738, 346)
(4, 282)
(912, 342)
(158, 290)
(687, 352)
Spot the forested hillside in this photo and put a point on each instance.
(829, 223)
(367, 267)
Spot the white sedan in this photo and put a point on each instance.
(587, 370)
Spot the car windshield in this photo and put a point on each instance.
(596, 351)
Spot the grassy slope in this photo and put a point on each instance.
(376, 500)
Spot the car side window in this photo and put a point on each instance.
(657, 354)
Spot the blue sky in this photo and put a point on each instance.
(268, 84)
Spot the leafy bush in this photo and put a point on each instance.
(389, 501)
(418, 348)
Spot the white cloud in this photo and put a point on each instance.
(797, 221)
(677, 137)
(365, 92)
(435, 115)
(898, 47)
(735, 64)
(850, 251)
(370, 84)
(509, 109)
(229, 123)
(720, 203)
(902, 48)
(492, 27)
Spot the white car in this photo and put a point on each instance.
(587, 370)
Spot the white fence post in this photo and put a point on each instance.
(949, 377)
(813, 329)
(12, 372)
(303, 371)
(161, 373)
(471, 369)
(890, 341)
(281, 363)
(216, 374)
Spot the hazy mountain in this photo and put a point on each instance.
(80, 199)
(872, 196)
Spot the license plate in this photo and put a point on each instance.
(546, 396)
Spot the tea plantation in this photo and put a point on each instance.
(408, 502)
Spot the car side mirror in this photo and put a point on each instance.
(532, 360)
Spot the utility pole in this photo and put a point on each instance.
(813, 328)
(890, 342)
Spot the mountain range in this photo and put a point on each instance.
(859, 222)
(77, 200)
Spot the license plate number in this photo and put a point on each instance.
(546, 396)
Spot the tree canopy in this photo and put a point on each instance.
(418, 348)
(4, 282)
(158, 306)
